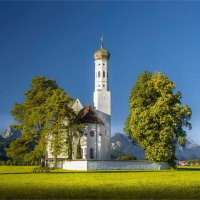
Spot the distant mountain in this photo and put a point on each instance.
(190, 151)
(9, 134)
(121, 144)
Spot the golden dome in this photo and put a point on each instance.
(101, 53)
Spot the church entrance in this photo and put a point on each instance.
(91, 153)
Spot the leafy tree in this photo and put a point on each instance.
(156, 118)
(189, 162)
(193, 162)
(43, 118)
(63, 121)
(198, 160)
(78, 155)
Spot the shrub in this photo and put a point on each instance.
(15, 162)
(189, 162)
(32, 163)
(36, 163)
(198, 160)
(193, 162)
(9, 162)
(127, 157)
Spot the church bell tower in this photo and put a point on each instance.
(102, 94)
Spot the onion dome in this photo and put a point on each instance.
(101, 53)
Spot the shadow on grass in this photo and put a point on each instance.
(103, 171)
(87, 172)
(188, 169)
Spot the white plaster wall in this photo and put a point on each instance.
(106, 165)
(114, 165)
(75, 165)
(102, 101)
(77, 105)
(91, 141)
(49, 155)
(106, 133)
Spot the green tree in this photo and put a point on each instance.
(189, 162)
(156, 118)
(43, 118)
(78, 155)
(198, 160)
(63, 120)
(193, 162)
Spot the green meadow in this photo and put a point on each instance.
(19, 182)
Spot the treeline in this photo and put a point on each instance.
(193, 162)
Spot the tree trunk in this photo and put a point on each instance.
(55, 161)
(42, 164)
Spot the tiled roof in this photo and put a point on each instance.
(88, 115)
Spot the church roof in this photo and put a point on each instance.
(88, 115)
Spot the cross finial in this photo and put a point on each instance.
(102, 40)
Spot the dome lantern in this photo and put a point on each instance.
(101, 53)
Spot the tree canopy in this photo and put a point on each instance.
(156, 118)
(44, 119)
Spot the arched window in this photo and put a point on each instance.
(107, 74)
(92, 133)
(99, 73)
(91, 153)
(104, 74)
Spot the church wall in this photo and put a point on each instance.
(49, 155)
(114, 165)
(107, 133)
(77, 105)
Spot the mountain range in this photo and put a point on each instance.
(122, 145)
(9, 134)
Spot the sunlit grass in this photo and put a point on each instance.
(21, 183)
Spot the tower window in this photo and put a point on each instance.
(99, 64)
(104, 74)
(92, 133)
(103, 85)
(107, 74)
(103, 64)
(99, 74)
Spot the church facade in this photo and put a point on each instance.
(95, 140)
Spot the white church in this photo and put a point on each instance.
(95, 142)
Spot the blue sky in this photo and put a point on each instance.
(58, 40)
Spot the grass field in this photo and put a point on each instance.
(21, 183)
